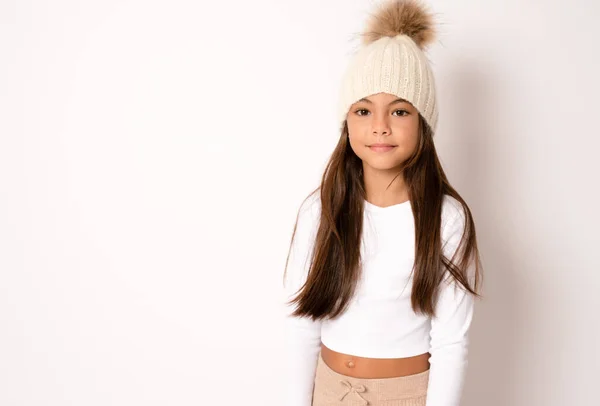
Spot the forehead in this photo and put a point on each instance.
(382, 99)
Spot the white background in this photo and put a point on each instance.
(153, 155)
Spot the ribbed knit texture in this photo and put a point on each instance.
(394, 65)
(333, 388)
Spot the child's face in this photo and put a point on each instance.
(379, 119)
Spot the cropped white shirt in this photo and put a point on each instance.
(380, 323)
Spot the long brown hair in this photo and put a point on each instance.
(335, 264)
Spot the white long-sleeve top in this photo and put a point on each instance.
(380, 323)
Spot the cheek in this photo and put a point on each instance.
(408, 133)
(410, 138)
(356, 133)
(357, 142)
(353, 126)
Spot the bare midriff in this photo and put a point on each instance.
(374, 368)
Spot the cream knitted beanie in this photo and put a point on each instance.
(392, 60)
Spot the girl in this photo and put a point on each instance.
(383, 266)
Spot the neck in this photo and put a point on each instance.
(384, 187)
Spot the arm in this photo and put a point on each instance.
(302, 335)
(449, 329)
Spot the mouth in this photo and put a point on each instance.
(382, 147)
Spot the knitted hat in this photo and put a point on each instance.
(392, 60)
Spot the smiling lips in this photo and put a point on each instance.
(381, 147)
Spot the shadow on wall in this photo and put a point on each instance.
(499, 321)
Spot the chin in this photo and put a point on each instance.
(384, 165)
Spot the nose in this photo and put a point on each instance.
(381, 126)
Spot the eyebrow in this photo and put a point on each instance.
(393, 102)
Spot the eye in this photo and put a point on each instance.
(405, 113)
(364, 112)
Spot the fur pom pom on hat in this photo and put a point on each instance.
(392, 59)
(401, 17)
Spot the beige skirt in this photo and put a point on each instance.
(334, 389)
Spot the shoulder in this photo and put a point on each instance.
(308, 217)
(310, 208)
(453, 215)
(454, 219)
(454, 227)
(303, 239)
